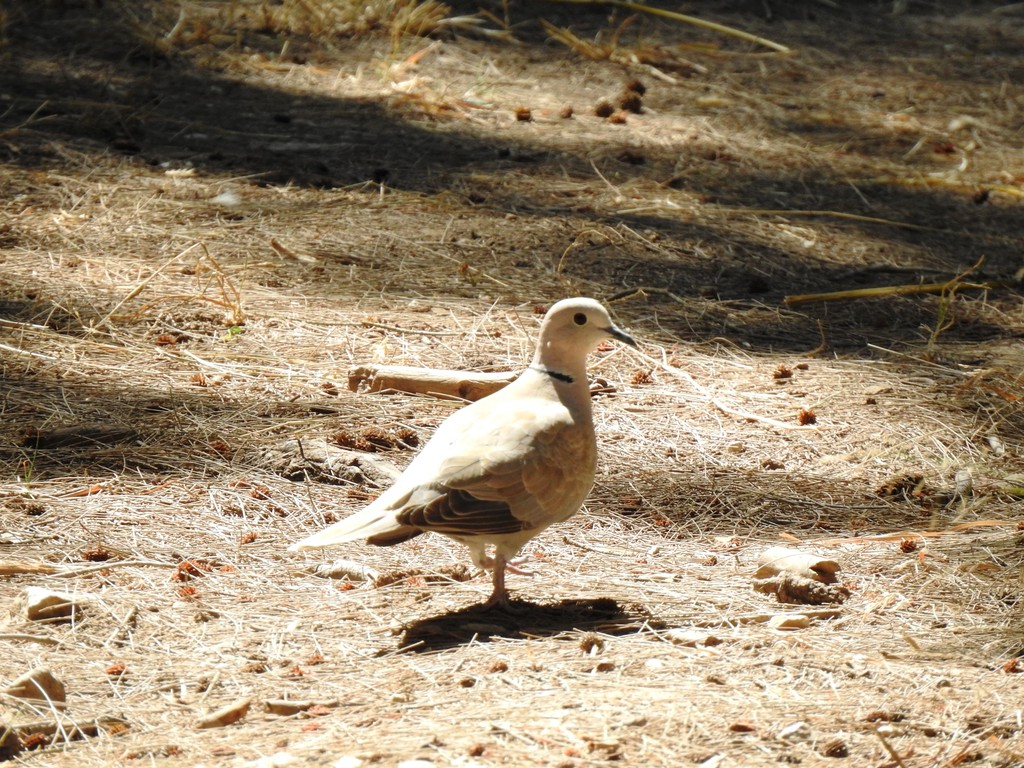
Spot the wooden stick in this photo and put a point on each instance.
(901, 535)
(462, 385)
(833, 214)
(891, 290)
(692, 20)
(15, 567)
(951, 286)
(762, 419)
(24, 637)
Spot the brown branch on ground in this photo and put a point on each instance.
(460, 385)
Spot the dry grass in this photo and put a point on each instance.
(327, 23)
(176, 311)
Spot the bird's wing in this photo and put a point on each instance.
(515, 461)
(529, 466)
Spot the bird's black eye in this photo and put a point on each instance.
(579, 318)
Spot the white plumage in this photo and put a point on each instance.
(504, 468)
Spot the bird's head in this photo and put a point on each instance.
(571, 330)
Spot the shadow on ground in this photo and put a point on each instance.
(85, 77)
(120, 92)
(522, 619)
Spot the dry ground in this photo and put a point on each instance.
(208, 218)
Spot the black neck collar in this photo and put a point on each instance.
(556, 375)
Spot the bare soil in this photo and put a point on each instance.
(210, 215)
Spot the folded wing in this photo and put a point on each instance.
(514, 469)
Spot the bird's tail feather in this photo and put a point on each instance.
(362, 525)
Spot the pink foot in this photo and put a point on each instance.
(512, 566)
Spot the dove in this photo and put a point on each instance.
(499, 471)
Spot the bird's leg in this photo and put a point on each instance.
(487, 563)
(480, 558)
(499, 597)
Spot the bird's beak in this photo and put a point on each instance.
(621, 335)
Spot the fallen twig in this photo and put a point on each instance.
(754, 417)
(727, 409)
(16, 567)
(463, 385)
(889, 748)
(114, 564)
(691, 20)
(414, 331)
(789, 212)
(142, 285)
(901, 535)
(26, 638)
(950, 286)
(764, 618)
(886, 291)
(643, 290)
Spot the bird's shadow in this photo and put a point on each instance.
(522, 619)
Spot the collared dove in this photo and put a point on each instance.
(504, 468)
